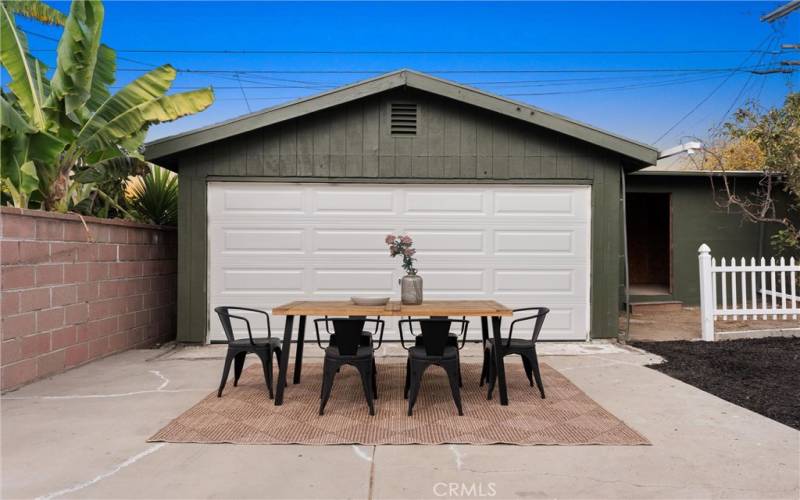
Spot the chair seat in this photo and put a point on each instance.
(418, 352)
(362, 352)
(366, 339)
(259, 342)
(452, 340)
(516, 343)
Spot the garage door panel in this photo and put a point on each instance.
(353, 201)
(444, 241)
(536, 242)
(527, 245)
(261, 280)
(271, 201)
(347, 281)
(348, 241)
(557, 202)
(453, 281)
(262, 240)
(540, 281)
(450, 202)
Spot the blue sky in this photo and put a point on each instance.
(641, 105)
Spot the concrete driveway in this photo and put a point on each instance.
(82, 435)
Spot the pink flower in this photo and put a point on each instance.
(406, 240)
(390, 238)
(408, 252)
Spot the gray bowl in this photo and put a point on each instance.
(369, 301)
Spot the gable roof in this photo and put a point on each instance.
(640, 153)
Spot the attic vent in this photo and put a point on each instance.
(404, 118)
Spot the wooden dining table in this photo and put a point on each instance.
(301, 309)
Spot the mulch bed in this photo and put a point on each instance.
(758, 374)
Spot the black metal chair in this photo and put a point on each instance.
(452, 339)
(524, 347)
(346, 348)
(238, 349)
(436, 349)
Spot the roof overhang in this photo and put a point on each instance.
(639, 155)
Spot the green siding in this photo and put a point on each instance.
(455, 143)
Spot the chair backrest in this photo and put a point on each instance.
(348, 333)
(434, 332)
(539, 314)
(225, 318)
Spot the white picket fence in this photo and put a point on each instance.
(755, 290)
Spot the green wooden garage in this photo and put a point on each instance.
(503, 199)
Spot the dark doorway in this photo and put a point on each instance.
(649, 243)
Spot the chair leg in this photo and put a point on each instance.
(408, 378)
(374, 379)
(536, 374)
(238, 365)
(492, 374)
(526, 363)
(365, 370)
(460, 383)
(416, 381)
(328, 372)
(225, 371)
(453, 377)
(485, 368)
(266, 365)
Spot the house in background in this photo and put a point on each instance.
(670, 213)
(504, 200)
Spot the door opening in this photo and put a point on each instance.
(649, 243)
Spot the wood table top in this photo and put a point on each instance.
(393, 308)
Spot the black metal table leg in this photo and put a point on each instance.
(298, 357)
(484, 330)
(498, 359)
(284, 366)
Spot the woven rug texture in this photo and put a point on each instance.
(245, 414)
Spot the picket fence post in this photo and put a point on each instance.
(707, 304)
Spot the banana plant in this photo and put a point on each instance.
(70, 128)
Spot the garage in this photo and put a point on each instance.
(504, 200)
(272, 242)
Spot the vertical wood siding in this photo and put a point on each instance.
(454, 143)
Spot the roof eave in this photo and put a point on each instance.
(642, 155)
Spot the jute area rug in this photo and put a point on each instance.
(245, 415)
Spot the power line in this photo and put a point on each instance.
(711, 94)
(458, 71)
(666, 83)
(419, 52)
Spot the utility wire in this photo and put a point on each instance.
(418, 52)
(460, 71)
(710, 94)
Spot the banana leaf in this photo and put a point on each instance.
(36, 10)
(11, 122)
(138, 105)
(77, 55)
(27, 72)
(112, 170)
(96, 134)
(103, 77)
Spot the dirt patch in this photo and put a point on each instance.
(685, 325)
(757, 374)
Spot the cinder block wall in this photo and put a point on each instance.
(77, 290)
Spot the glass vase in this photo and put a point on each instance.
(411, 289)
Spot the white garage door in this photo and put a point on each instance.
(521, 245)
